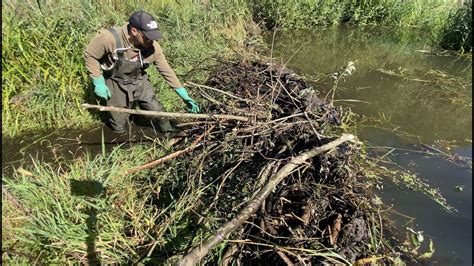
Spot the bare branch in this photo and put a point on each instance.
(169, 156)
(164, 114)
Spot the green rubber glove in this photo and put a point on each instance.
(193, 107)
(101, 89)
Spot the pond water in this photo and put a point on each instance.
(408, 99)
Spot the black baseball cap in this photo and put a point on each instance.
(146, 23)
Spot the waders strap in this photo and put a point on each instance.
(118, 41)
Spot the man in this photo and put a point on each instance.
(117, 59)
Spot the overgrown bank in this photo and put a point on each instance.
(449, 23)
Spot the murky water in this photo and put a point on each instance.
(56, 146)
(408, 98)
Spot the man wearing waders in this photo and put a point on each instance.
(117, 59)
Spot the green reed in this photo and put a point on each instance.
(89, 202)
(457, 31)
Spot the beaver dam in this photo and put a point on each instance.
(287, 188)
(279, 182)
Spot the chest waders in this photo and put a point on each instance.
(129, 83)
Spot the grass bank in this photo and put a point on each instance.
(88, 207)
(447, 22)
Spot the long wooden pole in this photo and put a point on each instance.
(197, 253)
(164, 114)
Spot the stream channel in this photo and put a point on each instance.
(415, 109)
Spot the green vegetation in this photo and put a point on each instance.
(448, 23)
(457, 32)
(403, 177)
(83, 207)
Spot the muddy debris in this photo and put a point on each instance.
(320, 213)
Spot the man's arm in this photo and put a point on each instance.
(164, 68)
(102, 44)
(168, 74)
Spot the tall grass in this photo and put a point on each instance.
(44, 78)
(88, 209)
(457, 31)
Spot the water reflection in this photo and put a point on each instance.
(62, 145)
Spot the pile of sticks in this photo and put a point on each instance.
(286, 177)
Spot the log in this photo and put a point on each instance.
(198, 252)
(164, 114)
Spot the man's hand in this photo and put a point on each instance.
(101, 90)
(193, 107)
